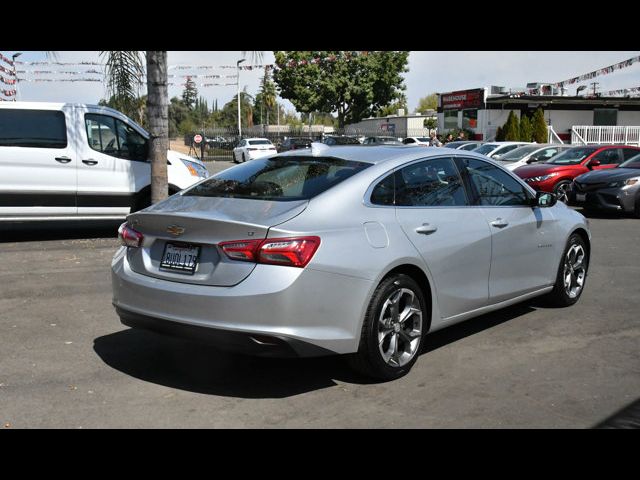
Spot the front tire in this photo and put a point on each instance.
(562, 190)
(393, 329)
(572, 273)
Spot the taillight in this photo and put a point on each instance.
(290, 251)
(129, 237)
(244, 250)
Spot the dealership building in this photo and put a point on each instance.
(483, 110)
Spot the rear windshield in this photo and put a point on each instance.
(519, 153)
(573, 156)
(486, 148)
(259, 142)
(281, 178)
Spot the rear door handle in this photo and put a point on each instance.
(90, 161)
(63, 159)
(499, 223)
(426, 229)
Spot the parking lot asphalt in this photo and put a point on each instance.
(67, 362)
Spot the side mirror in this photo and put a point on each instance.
(496, 157)
(545, 199)
(593, 163)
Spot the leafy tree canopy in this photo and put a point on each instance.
(355, 85)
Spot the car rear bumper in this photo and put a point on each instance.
(295, 306)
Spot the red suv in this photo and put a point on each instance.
(557, 174)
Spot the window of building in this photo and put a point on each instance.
(605, 116)
(470, 119)
(450, 119)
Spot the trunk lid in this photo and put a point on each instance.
(204, 222)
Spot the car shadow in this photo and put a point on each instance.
(58, 230)
(200, 368)
(627, 417)
(602, 214)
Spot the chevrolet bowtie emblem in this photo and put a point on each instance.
(175, 230)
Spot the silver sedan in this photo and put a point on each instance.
(346, 250)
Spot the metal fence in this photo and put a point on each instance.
(218, 144)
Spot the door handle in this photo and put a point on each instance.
(426, 229)
(90, 161)
(499, 223)
(63, 159)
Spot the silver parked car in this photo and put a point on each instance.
(342, 250)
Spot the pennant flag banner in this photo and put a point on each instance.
(601, 71)
(8, 71)
(8, 93)
(621, 91)
(60, 63)
(5, 59)
(59, 80)
(7, 81)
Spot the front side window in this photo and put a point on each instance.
(494, 186)
(32, 128)
(279, 178)
(430, 183)
(112, 137)
(610, 156)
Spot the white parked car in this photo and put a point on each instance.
(496, 149)
(63, 160)
(528, 154)
(252, 148)
(424, 141)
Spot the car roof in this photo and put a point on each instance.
(376, 154)
(256, 138)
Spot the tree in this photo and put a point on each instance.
(512, 128)
(526, 129)
(265, 101)
(392, 108)
(430, 102)
(354, 85)
(431, 124)
(190, 93)
(499, 134)
(125, 71)
(540, 129)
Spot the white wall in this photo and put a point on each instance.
(629, 119)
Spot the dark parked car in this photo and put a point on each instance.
(336, 140)
(614, 189)
(295, 143)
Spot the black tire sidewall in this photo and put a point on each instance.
(369, 343)
(559, 295)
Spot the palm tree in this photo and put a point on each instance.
(125, 70)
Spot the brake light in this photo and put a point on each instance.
(129, 237)
(244, 250)
(290, 251)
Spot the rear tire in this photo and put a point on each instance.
(572, 273)
(393, 329)
(636, 210)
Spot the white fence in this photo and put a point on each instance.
(552, 136)
(594, 135)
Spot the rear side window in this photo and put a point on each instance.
(629, 152)
(32, 128)
(280, 179)
(431, 183)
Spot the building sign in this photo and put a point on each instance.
(462, 99)
(389, 128)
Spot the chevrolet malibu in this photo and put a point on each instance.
(342, 250)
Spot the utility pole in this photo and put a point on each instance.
(594, 84)
(238, 84)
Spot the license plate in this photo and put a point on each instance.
(581, 197)
(180, 258)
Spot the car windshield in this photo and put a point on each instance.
(519, 153)
(279, 178)
(573, 156)
(259, 142)
(486, 148)
(633, 162)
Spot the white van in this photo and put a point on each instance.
(63, 161)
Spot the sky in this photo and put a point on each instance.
(429, 72)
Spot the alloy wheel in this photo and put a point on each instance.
(562, 192)
(575, 270)
(400, 327)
